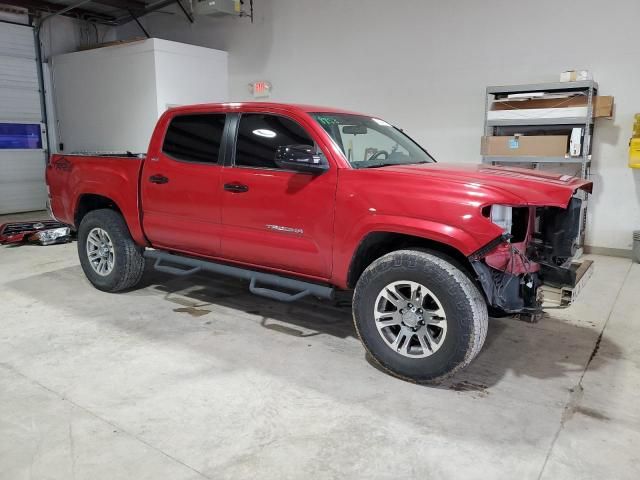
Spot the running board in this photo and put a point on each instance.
(180, 265)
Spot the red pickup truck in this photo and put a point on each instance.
(303, 200)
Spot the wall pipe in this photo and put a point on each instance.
(184, 10)
(144, 30)
(43, 100)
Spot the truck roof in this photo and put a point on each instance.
(246, 106)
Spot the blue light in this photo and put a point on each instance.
(20, 136)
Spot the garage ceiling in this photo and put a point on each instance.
(108, 12)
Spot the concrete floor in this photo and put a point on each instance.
(195, 378)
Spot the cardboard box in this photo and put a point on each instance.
(575, 75)
(602, 105)
(525, 145)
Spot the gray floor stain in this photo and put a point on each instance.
(193, 311)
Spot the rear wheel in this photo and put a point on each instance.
(108, 255)
(419, 316)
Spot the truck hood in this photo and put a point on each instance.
(531, 187)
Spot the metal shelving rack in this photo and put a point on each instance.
(589, 88)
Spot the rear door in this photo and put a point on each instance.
(180, 185)
(273, 217)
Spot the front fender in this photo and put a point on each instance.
(455, 237)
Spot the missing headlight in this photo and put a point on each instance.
(513, 220)
(557, 232)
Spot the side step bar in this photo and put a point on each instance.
(179, 265)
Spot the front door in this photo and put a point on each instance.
(274, 217)
(180, 187)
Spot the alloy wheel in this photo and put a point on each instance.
(100, 251)
(410, 319)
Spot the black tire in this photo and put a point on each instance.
(128, 262)
(463, 305)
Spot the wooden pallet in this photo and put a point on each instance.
(565, 296)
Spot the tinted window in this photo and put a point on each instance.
(259, 135)
(195, 138)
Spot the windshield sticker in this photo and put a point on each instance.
(327, 120)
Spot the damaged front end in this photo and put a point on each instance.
(535, 250)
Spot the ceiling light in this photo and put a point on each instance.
(263, 132)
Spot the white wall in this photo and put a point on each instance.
(109, 99)
(424, 64)
(186, 74)
(105, 99)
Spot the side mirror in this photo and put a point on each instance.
(301, 158)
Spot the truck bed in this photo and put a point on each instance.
(105, 154)
(115, 176)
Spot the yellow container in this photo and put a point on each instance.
(634, 153)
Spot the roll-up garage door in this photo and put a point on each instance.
(22, 138)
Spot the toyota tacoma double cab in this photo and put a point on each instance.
(302, 200)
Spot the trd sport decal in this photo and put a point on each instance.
(280, 228)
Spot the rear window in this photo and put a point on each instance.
(195, 138)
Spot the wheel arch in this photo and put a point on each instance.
(379, 243)
(88, 202)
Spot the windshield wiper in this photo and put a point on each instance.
(391, 164)
(378, 165)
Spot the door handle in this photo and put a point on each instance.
(160, 179)
(236, 187)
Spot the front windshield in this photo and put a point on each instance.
(369, 142)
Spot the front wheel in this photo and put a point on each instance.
(420, 317)
(108, 255)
